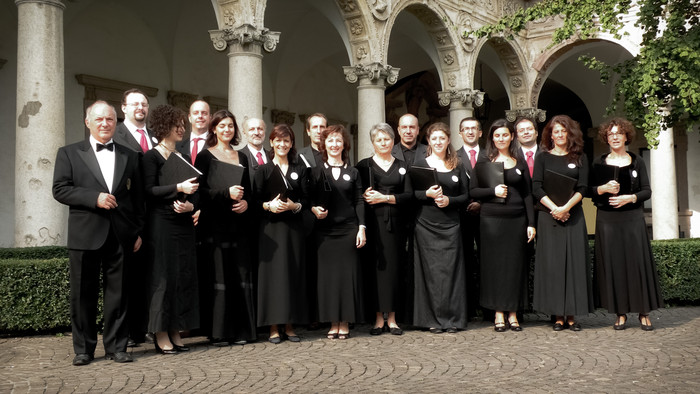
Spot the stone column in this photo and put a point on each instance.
(373, 78)
(461, 104)
(664, 198)
(245, 44)
(39, 219)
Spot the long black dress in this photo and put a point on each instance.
(440, 299)
(338, 285)
(233, 307)
(386, 237)
(625, 270)
(173, 291)
(504, 270)
(563, 282)
(282, 294)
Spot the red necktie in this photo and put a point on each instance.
(472, 157)
(144, 141)
(530, 162)
(195, 149)
(260, 159)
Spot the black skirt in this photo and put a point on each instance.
(625, 269)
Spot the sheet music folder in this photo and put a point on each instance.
(489, 174)
(277, 184)
(558, 187)
(223, 175)
(422, 178)
(177, 169)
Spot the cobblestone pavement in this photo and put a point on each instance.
(597, 359)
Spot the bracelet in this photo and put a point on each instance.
(387, 198)
(296, 210)
(266, 207)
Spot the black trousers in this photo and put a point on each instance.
(85, 267)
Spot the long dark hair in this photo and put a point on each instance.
(491, 149)
(574, 137)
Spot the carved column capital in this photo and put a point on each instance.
(55, 3)
(281, 116)
(245, 35)
(462, 96)
(536, 114)
(372, 72)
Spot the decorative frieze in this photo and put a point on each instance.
(245, 35)
(539, 115)
(279, 116)
(371, 71)
(464, 96)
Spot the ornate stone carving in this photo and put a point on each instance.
(361, 53)
(441, 38)
(516, 82)
(347, 5)
(449, 58)
(381, 9)
(464, 96)
(245, 34)
(509, 7)
(371, 71)
(280, 116)
(531, 113)
(464, 23)
(356, 27)
(229, 18)
(452, 80)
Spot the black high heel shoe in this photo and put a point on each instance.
(645, 327)
(620, 324)
(179, 348)
(164, 351)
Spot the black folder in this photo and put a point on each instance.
(605, 173)
(277, 184)
(489, 174)
(324, 190)
(558, 187)
(423, 178)
(367, 176)
(177, 169)
(223, 175)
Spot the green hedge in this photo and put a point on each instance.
(34, 287)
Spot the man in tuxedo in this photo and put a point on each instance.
(101, 183)
(315, 125)
(469, 154)
(200, 118)
(256, 154)
(409, 149)
(526, 132)
(133, 133)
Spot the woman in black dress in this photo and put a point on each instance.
(440, 281)
(281, 270)
(562, 267)
(173, 291)
(390, 187)
(625, 269)
(225, 225)
(504, 269)
(340, 231)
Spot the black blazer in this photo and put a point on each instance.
(312, 156)
(78, 181)
(123, 136)
(466, 163)
(253, 162)
(421, 152)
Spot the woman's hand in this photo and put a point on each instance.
(189, 186)
(181, 207)
(560, 213)
(319, 212)
(236, 192)
(434, 192)
(501, 191)
(374, 197)
(611, 187)
(442, 201)
(531, 232)
(240, 206)
(361, 238)
(619, 201)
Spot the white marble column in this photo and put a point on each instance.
(664, 190)
(461, 104)
(40, 128)
(373, 78)
(245, 44)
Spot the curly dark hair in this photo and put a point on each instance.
(282, 130)
(491, 149)
(451, 159)
(623, 125)
(217, 118)
(337, 129)
(574, 137)
(164, 118)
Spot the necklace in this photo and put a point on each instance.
(166, 147)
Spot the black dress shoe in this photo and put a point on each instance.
(276, 340)
(83, 359)
(558, 327)
(181, 348)
(622, 325)
(395, 331)
(376, 330)
(514, 326)
(293, 338)
(240, 342)
(149, 337)
(645, 327)
(131, 343)
(575, 326)
(435, 330)
(164, 351)
(500, 327)
(119, 357)
(452, 330)
(219, 342)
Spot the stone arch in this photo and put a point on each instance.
(512, 72)
(358, 29)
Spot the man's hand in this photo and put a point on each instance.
(137, 244)
(106, 201)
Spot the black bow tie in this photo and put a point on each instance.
(109, 147)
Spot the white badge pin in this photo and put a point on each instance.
(572, 165)
(154, 139)
(346, 177)
(517, 171)
(634, 173)
(402, 171)
(455, 179)
(294, 176)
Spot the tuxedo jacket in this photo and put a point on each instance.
(123, 136)
(78, 181)
(466, 163)
(421, 152)
(312, 156)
